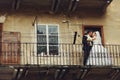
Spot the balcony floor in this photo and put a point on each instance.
(59, 73)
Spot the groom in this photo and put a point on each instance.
(87, 42)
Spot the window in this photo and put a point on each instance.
(47, 39)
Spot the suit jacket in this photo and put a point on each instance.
(87, 45)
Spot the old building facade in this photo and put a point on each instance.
(49, 33)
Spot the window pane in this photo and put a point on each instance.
(41, 39)
(42, 49)
(53, 40)
(41, 29)
(52, 29)
(53, 50)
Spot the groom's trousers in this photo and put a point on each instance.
(86, 55)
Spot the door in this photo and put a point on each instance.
(94, 28)
(10, 48)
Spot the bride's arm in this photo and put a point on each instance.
(94, 37)
(91, 38)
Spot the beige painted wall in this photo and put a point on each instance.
(112, 23)
(22, 22)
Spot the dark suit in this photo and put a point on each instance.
(86, 48)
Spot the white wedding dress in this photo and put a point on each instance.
(99, 56)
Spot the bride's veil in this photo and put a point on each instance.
(98, 38)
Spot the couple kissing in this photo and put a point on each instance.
(94, 51)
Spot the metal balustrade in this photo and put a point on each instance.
(57, 54)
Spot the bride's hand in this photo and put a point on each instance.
(94, 37)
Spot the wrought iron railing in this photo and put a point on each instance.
(57, 54)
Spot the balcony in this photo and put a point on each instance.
(24, 61)
(58, 54)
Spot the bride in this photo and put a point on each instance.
(98, 54)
